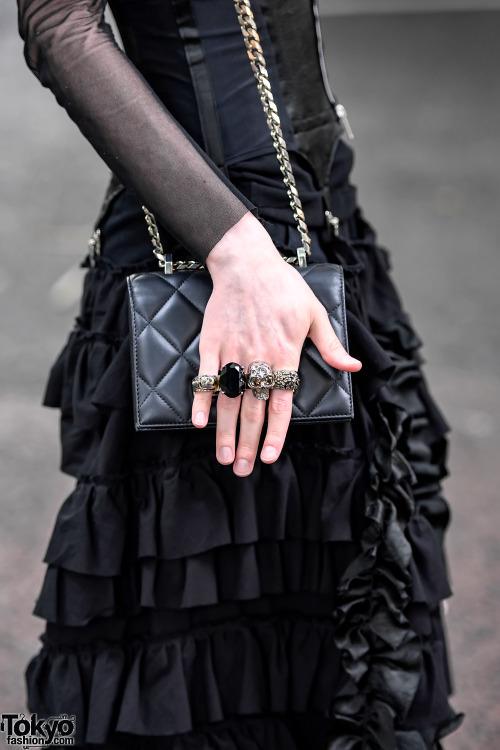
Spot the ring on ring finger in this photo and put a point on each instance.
(286, 380)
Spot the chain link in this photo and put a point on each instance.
(258, 63)
(94, 245)
(165, 259)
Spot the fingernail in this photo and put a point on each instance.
(351, 360)
(199, 418)
(226, 455)
(268, 453)
(242, 467)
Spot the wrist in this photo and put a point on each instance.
(243, 245)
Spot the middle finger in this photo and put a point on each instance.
(252, 415)
(227, 418)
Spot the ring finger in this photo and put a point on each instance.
(280, 411)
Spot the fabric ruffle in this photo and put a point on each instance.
(350, 515)
(387, 652)
(129, 542)
(169, 686)
(249, 733)
(93, 572)
(230, 573)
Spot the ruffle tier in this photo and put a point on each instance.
(248, 733)
(341, 540)
(120, 546)
(167, 686)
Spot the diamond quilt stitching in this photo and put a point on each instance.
(337, 378)
(149, 322)
(182, 354)
(160, 395)
(178, 290)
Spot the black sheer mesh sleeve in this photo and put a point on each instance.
(72, 50)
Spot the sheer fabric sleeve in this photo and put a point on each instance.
(72, 51)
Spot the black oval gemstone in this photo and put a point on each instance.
(232, 380)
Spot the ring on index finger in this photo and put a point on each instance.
(205, 384)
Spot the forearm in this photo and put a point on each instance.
(72, 51)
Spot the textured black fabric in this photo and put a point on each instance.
(297, 608)
(181, 599)
(294, 29)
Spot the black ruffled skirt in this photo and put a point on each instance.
(299, 607)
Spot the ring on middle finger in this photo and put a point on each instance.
(232, 380)
(259, 379)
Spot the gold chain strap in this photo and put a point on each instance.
(258, 63)
(165, 259)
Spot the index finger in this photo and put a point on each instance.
(203, 401)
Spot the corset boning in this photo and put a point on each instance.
(152, 40)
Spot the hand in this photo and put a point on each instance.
(260, 308)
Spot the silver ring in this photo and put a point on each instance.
(259, 379)
(232, 380)
(286, 380)
(205, 384)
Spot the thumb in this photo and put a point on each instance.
(323, 336)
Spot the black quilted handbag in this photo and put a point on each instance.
(167, 307)
(166, 313)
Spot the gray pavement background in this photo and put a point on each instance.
(422, 92)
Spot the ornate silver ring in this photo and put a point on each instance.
(286, 380)
(259, 378)
(205, 384)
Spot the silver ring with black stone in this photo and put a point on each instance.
(205, 384)
(232, 380)
(286, 380)
(259, 379)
